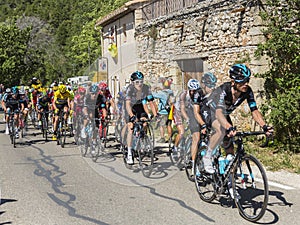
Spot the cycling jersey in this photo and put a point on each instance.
(11, 102)
(43, 102)
(137, 100)
(94, 103)
(203, 101)
(222, 99)
(61, 98)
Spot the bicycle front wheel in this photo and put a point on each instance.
(251, 188)
(205, 183)
(176, 156)
(146, 155)
(188, 160)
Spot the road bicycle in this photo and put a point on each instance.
(142, 148)
(62, 129)
(243, 177)
(45, 124)
(177, 157)
(33, 117)
(91, 141)
(12, 127)
(22, 124)
(187, 156)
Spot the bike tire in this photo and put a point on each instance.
(64, 134)
(204, 182)
(144, 148)
(188, 159)
(250, 182)
(98, 151)
(13, 135)
(177, 157)
(83, 145)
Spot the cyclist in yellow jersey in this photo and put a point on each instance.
(61, 101)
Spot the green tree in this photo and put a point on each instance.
(283, 79)
(13, 50)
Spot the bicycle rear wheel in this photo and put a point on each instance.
(251, 188)
(146, 155)
(204, 182)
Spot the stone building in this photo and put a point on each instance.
(182, 39)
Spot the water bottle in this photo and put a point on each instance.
(202, 148)
(229, 157)
(221, 165)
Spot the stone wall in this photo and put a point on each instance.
(220, 32)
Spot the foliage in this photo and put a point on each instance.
(51, 39)
(283, 79)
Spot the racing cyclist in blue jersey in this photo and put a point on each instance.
(226, 98)
(137, 96)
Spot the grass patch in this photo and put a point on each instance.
(274, 160)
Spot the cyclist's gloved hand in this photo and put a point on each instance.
(56, 111)
(231, 131)
(132, 118)
(268, 130)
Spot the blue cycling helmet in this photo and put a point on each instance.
(94, 88)
(137, 75)
(14, 90)
(240, 73)
(209, 80)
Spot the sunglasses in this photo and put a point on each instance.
(93, 93)
(138, 82)
(242, 81)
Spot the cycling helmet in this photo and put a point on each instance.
(102, 86)
(62, 88)
(209, 80)
(240, 73)
(15, 90)
(81, 90)
(193, 84)
(137, 75)
(8, 90)
(94, 88)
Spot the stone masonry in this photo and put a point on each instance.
(221, 33)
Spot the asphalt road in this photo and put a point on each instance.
(43, 184)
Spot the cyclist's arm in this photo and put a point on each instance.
(153, 108)
(197, 114)
(257, 116)
(128, 108)
(222, 119)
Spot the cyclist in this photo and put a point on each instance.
(110, 103)
(226, 98)
(202, 100)
(43, 105)
(61, 102)
(194, 120)
(11, 104)
(137, 95)
(24, 100)
(94, 107)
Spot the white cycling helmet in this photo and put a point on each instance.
(193, 84)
